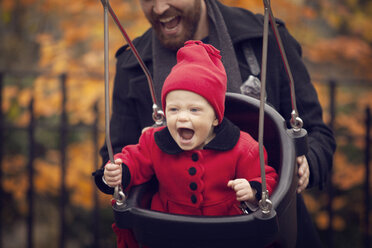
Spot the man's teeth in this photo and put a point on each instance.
(168, 19)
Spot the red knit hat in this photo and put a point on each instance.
(199, 69)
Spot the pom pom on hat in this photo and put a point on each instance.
(199, 69)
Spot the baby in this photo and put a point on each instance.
(204, 164)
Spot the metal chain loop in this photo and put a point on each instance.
(158, 115)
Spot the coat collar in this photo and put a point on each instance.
(241, 24)
(143, 45)
(227, 135)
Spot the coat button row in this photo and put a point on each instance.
(193, 186)
(194, 157)
(192, 171)
(193, 199)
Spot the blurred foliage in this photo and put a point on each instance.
(41, 40)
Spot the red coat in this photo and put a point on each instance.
(195, 182)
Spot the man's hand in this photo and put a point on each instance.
(112, 173)
(303, 173)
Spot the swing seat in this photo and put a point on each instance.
(278, 229)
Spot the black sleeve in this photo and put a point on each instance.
(258, 187)
(98, 174)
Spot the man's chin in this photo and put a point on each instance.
(172, 43)
(174, 46)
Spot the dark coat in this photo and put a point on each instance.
(132, 104)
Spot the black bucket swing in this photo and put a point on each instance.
(273, 224)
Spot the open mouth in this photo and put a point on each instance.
(170, 23)
(185, 133)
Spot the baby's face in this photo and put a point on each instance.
(190, 119)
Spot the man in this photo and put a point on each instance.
(238, 34)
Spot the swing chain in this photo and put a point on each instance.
(265, 204)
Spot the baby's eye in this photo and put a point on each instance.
(172, 109)
(194, 109)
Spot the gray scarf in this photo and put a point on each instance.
(164, 59)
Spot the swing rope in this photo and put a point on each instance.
(265, 204)
(119, 195)
(296, 121)
(158, 114)
(298, 133)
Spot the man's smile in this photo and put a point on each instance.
(170, 25)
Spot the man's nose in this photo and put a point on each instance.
(160, 6)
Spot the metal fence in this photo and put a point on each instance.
(62, 128)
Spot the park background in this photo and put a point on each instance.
(52, 115)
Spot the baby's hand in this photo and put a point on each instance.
(243, 190)
(112, 173)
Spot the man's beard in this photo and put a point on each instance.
(190, 20)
